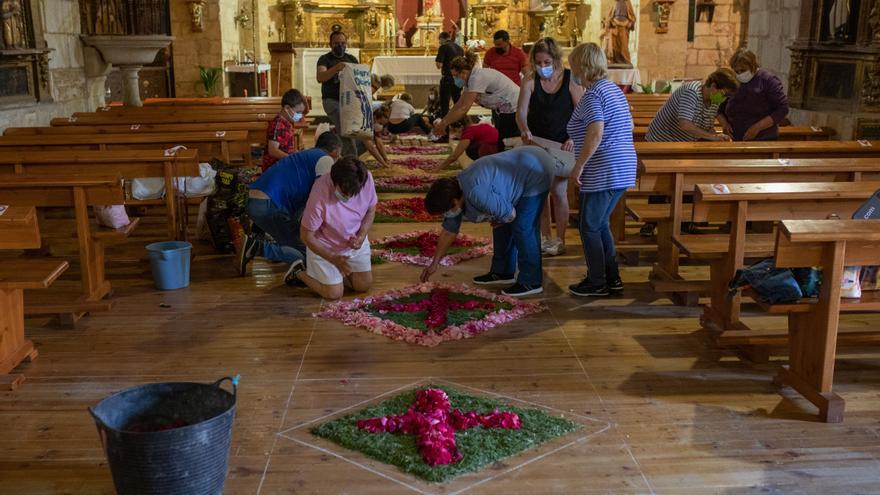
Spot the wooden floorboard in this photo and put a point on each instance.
(679, 416)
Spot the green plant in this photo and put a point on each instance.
(667, 89)
(648, 89)
(209, 77)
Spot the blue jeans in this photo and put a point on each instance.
(282, 226)
(519, 242)
(595, 211)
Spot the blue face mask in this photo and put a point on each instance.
(452, 213)
(546, 72)
(295, 116)
(341, 197)
(577, 80)
(459, 82)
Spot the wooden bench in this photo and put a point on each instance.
(676, 178)
(159, 118)
(787, 133)
(127, 164)
(756, 202)
(211, 144)
(216, 100)
(256, 131)
(813, 325)
(19, 230)
(77, 192)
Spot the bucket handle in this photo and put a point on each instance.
(233, 381)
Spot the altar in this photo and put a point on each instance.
(627, 79)
(408, 69)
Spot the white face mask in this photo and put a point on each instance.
(744, 77)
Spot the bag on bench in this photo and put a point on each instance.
(777, 285)
(870, 210)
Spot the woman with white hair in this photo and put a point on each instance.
(601, 130)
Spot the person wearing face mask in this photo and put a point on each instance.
(547, 98)
(509, 190)
(337, 217)
(506, 58)
(754, 112)
(491, 89)
(276, 201)
(689, 115)
(446, 53)
(330, 65)
(280, 132)
(605, 165)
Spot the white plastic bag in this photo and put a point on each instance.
(113, 216)
(355, 109)
(202, 185)
(148, 188)
(850, 287)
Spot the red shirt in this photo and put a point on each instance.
(483, 137)
(281, 130)
(510, 64)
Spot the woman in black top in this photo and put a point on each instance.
(547, 99)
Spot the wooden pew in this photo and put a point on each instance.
(77, 192)
(19, 230)
(128, 164)
(757, 202)
(158, 118)
(216, 100)
(675, 178)
(813, 325)
(210, 144)
(256, 131)
(786, 133)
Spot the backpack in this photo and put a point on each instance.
(777, 285)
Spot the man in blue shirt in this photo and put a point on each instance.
(507, 189)
(276, 201)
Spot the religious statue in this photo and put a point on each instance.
(431, 8)
(401, 34)
(12, 14)
(620, 21)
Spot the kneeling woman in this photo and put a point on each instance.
(337, 217)
(507, 189)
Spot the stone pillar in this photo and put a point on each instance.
(131, 90)
(282, 59)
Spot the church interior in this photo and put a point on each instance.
(299, 200)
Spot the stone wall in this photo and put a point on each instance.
(670, 56)
(773, 28)
(72, 91)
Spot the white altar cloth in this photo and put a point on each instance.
(408, 69)
(625, 77)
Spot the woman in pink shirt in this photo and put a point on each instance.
(337, 217)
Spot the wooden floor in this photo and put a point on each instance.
(676, 415)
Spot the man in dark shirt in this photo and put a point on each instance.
(330, 65)
(447, 51)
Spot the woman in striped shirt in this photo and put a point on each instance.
(601, 129)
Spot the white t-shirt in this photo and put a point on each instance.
(401, 110)
(496, 91)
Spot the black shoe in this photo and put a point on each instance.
(584, 289)
(519, 290)
(247, 253)
(290, 278)
(615, 285)
(647, 230)
(494, 279)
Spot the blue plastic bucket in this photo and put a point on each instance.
(170, 263)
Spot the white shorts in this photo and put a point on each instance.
(325, 272)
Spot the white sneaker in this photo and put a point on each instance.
(555, 247)
(545, 243)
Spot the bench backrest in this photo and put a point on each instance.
(128, 163)
(19, 229)
(778, 201)
(801, 243)
(756, 149)
(58, 190)
(787, 133)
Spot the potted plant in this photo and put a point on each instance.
(209, 77)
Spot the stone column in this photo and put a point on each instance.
(131, 89)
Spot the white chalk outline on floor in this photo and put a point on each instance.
(284, 434)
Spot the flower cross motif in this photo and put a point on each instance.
(434, 424)
(437, 305)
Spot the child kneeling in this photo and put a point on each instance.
(337, 217)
